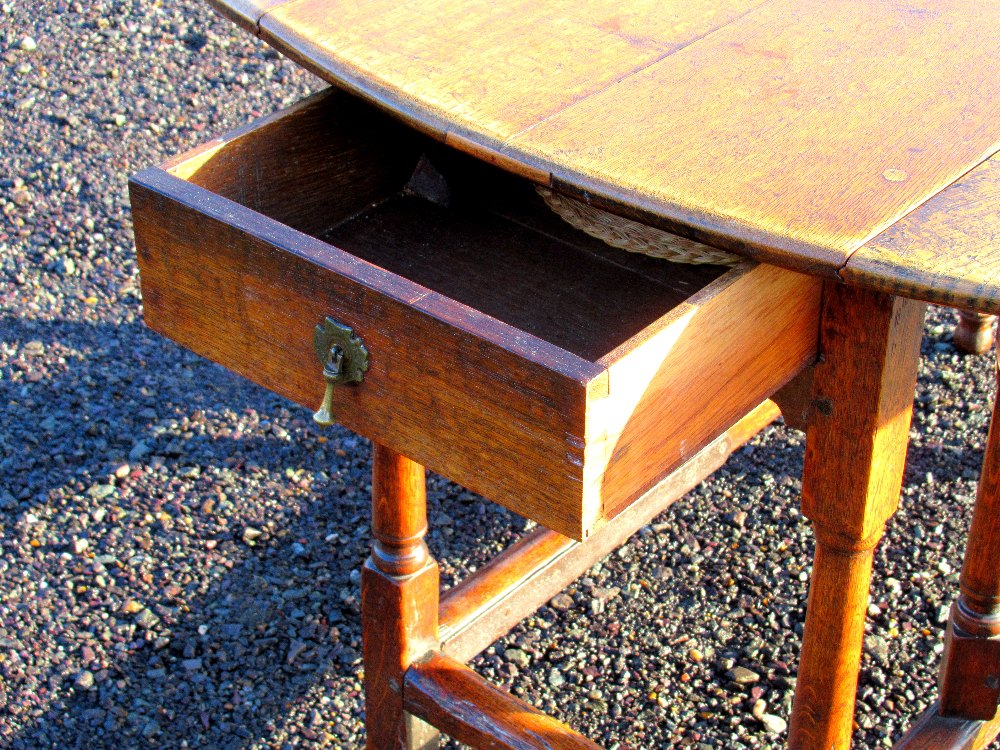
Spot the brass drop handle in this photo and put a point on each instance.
(344, 359)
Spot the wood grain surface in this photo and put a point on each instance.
(935, 732)
(947, 251)
(497, 68)
(310, 166)
(462, 704)
(980, 579)
(672, 388)
(246, 13)
(399, 601)
(451, 387)
(855, 449)
(973, 334)
(819, 123)
(967, 687)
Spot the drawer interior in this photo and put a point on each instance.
(356, 179)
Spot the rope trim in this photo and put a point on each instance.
(632, 236)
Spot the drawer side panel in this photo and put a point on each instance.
(722, 353)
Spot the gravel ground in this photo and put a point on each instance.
(179, 549)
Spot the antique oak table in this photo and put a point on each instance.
(842, 149)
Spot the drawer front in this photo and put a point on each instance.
(455, 390)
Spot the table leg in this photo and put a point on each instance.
(974, 332)
(970, 670)
(399, 601)
(855, 450)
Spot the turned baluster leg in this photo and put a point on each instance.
(974, 332)
(855, 450)
(969, 682)
(399, 601)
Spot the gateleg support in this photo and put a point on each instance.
(969, 681)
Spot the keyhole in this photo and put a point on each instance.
(334, 366)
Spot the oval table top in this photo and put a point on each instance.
(843, 139)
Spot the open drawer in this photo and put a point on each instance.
(508, 352)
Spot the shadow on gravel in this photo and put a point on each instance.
(89, 393)
(946, 463)
(218, 625)
(225, 670)
(233, 626)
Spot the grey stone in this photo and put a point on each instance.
(773, 724)
(562, 602)
(139, 451)
(101, 491)
(84, 680)
(518, 657)
(146, 618)
(743, 676)
(878, 647)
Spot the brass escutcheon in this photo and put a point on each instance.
(344, 359)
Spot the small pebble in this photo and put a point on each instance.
(743, 676)
(518, 657)
(773, 724)
(562, 602)
(146, 618)
(101, 491)
(251, 535)
(84, 680)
